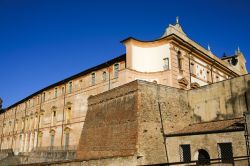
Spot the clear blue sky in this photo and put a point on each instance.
(45, 41)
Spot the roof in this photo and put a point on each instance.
(228, 57)
(236, 124)
(103, 65)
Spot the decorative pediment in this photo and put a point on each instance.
(194, 85)
(183, 82)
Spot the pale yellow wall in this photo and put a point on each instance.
(25, 134)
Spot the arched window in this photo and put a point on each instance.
(66, 138)
(62, 90)
(203, 157)
(104, 76)
(52, 138)
(116, 70)
(70, 87)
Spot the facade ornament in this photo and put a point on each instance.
(238, 50)
(208, 48)
(183, 82)
(194, 85)
(177, 20)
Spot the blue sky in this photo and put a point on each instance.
(45, 41)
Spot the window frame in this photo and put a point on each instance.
(116, 70)
(183, 156)
(222, 152)
(93, 78)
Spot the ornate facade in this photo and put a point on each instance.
(52, 118)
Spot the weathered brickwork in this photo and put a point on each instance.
(111, 125)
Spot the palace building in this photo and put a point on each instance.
(54, 117)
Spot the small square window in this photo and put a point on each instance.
(185, 153)
(225, 152)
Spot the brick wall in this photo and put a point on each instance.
(111, 125)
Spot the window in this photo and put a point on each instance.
(66, 138)
(179, 60)
(116, 70)
(104, 76)
(62, 90)
(217, 78)
(208, 76)
(54, 113)
(70, 87)
(192, 68)
(52, 138)
(53, 116)
(225, 152)
(185, 153)
(80, 84)
(166, 63)
(55, 92)
(41, 120)
(40, 137)
(93, 78)
(43, 99)
(21, 142)
(68, 115)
